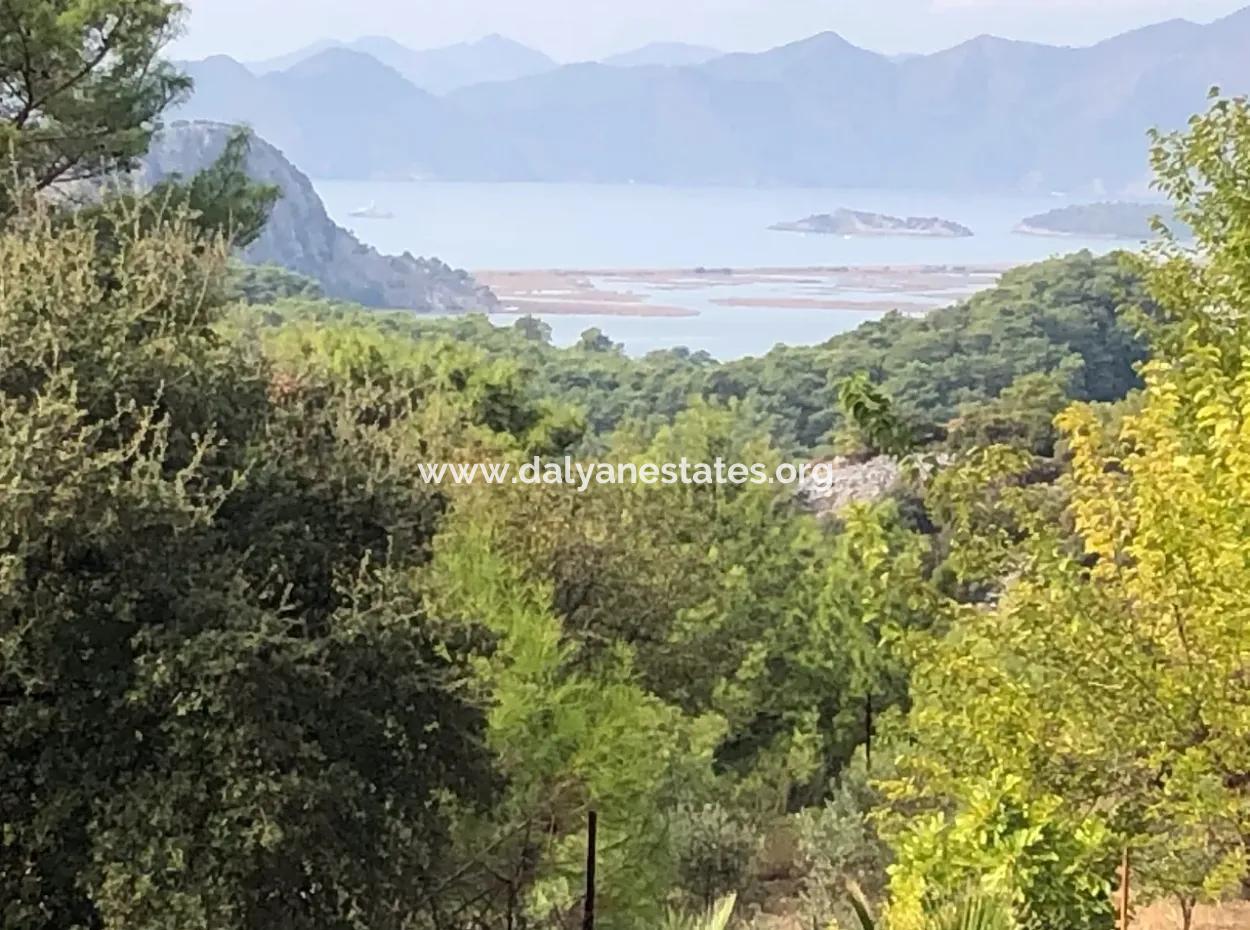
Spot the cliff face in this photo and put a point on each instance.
(301, 236)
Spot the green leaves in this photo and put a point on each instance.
(880, 429)
(220, 703)
(1106, 682)
(1001, 850)
(85, 87)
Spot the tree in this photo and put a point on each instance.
(1002, 840)
(595, 340)
(220, 199)
(532, 328)
(83, 87)
(1022, 416)
(1112, 673)
(874, 426)
(221, 703)
(569, 740)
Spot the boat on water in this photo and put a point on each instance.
(372, 212)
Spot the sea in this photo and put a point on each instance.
(618, 227)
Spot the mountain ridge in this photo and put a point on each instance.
(989, 114)
(435, 70)
(663, 55)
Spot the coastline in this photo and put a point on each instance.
(688, 292)
(1024, 229)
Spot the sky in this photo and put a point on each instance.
(577, 30)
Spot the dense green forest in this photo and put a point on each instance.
(1060, 320)
(254, 673)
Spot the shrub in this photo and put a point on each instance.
(714, 850)
(1056, 872)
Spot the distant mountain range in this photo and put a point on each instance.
(437, 70)
(664, 55)
(989, 114)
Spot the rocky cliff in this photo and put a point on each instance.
(301, 236)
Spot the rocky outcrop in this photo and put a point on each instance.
(859, 223)
(836, 484)
(301, 236)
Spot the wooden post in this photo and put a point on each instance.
(1126, 869)
(588, 908)
(868, 733)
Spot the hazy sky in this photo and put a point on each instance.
(571, 30)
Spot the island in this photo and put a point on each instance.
(860, 223)
(1111, 220)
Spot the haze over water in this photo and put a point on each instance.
(599, 226)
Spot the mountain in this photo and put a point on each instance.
(809, 64)
(338, 114)
(301, 236)
(989, 114)
(664, 55)
(290, 59)
(436, 70)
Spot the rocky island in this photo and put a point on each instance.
(1112, 220)
(860, 223)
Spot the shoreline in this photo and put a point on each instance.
(690, 292)
(1024, 229)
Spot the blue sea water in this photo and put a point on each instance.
(594, 226)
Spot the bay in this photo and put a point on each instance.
(604, 227)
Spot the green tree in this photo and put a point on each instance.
(1023, 416)
(594, 340)
(1001, 841)
(84, 87)
(221, 199)
(532, 328)
(1111, 673)
(568, 740)
(874, 427)
(221, 705)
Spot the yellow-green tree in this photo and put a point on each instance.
(1114, 673)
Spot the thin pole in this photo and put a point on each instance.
(868, 733)
(1126, 869)
(588, 909)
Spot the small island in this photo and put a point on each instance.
(1112, 220)
(859, 223)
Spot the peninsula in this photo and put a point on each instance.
(1112, 220)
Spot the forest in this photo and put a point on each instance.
(255, 674)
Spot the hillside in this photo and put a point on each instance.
(1118, 220)
(989, 114)
(301, 236)
(339, 114)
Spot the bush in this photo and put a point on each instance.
(1056, 872)
(838, 845)
(714, 850)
